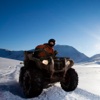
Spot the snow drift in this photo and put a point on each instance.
(88, 88)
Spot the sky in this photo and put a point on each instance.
(25, 24)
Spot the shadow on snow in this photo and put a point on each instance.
(12, 87)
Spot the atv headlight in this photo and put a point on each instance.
(45, 62)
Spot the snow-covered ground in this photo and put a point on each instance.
(88, 87)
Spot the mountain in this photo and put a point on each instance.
(95, 59)
(69, 51)
(63, 51)
(18, 55)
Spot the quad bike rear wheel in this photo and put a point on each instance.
(32, 82)
(71, 81)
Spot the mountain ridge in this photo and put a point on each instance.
(63, 51)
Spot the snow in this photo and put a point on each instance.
(88, 87)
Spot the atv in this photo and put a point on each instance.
(38, 74)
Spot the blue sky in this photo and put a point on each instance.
(27, 23)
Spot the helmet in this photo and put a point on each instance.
(51, 42)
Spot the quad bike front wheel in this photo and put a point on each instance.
(32, 83)
(22, 71)
(71, 81)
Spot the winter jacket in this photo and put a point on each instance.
(43, 50)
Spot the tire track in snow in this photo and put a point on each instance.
(15, 74)
(11, 74)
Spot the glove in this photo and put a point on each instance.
(55, 52)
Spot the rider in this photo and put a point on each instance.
(45, 50)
